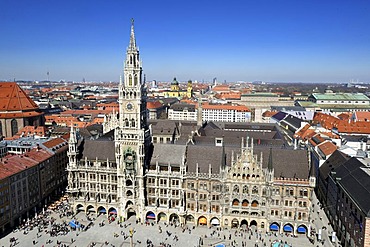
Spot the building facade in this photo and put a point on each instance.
(223, 182)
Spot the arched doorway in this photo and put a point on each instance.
(174, 218)
(244, 224)
(162, 217)
(274, 227)
(202, 221)
(288, 228)
(302, 229)
(150, 216)
(235, 223)
(130, 212)
(253, 223)
(90, 209)
(102, 210)
(112, 211)
(80, 208)
(189, 219)
(215, 221)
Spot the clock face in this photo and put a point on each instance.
(129, 106)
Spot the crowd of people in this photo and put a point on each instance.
(61, 227)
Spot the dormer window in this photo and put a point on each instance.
(219, 142)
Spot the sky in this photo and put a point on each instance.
(234, 40)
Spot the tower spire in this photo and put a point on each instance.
(132, 36)
(269, 166)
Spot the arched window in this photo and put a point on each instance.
(127, 124)
(128, 182)
(14, 126)
(130, 80)
(135, 80)
(245, 189)
(235, 202)
(255, 190)
(264, 191)
(132, 122)
(255, 203)
(226, 188)
(245, 203)
(236, 189)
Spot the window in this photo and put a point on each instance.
(190, 185)
(175, 183)
(14, 126)
(163, 182)
(255, 190)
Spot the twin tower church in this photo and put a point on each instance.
(214, 177)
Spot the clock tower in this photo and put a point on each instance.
(132, 136)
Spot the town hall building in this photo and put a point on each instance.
(213, 176)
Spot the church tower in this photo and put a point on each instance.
(189, 89)
(132, 136)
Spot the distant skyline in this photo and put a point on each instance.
(268, 40)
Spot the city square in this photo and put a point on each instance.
(57, 226)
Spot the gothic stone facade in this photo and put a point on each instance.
(217, 185)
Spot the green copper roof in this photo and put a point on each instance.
(260, 94)
(341, 96)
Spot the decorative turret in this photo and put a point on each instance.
(72, 164)
(72, 147)
(270, 169)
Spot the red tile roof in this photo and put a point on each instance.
(327, 148)
(29, 131)
(14, 98)
(228, 95)
(154, 104)
(362, 116)
(301, 132)
(13, 164)
(269, 113)
(54, 143)
(343, 126)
